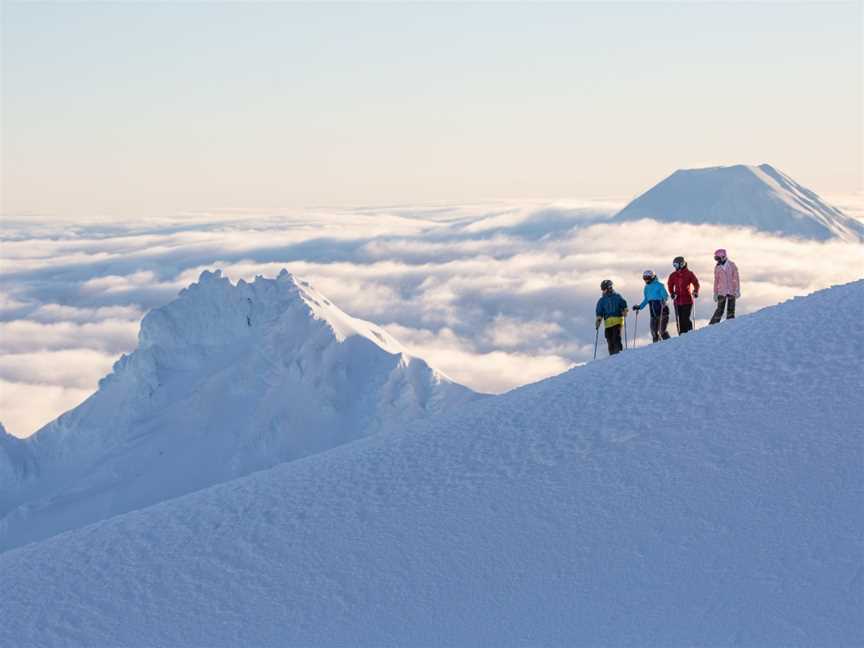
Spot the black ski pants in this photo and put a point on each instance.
(613, 339)
(685, 323)
(724, 302)
(659, 320)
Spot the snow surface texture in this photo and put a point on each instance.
(227, 379)
(760, 197)
(594, 508)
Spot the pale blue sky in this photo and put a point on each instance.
(122, 109)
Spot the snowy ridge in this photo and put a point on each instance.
(760, 197)
(227, 379)
(214, 313)
(702, 491)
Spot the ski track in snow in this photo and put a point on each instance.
(702, 491)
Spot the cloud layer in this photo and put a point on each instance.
(495, 295)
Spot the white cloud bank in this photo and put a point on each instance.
(494, 295)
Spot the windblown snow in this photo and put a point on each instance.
(702, 491)
(760, 197)
(226, 380)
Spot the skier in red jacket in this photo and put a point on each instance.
(679, 283)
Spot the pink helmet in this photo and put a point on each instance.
(721, 253)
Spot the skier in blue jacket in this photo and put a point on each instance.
(656, 297)
(611, 309)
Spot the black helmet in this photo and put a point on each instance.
(649, 275)
(679, 262)
(606, 284)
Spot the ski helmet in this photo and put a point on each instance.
(679, 262)
(606, 284)
(649, 275)
(719, 255)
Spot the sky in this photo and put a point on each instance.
(119, 110)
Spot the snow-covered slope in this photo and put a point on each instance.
(227, 379)
(15, 464)
(705, 491)
(751, 196)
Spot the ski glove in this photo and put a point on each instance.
(636, 307)
(695, 294)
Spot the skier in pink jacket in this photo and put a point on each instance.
(727, 286)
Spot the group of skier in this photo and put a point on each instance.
(612, 308)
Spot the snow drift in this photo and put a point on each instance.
(760, 197)
(703, 491)
(226, 380)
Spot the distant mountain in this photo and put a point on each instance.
(226, 380)
(582, 510)
(760, 197)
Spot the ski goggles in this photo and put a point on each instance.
(678, 265)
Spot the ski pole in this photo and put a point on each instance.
(693, 316)
(596, 337)
(635, 329)
(625, 331)
(677, 324)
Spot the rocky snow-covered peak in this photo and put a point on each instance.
(215, 312)
(227, 379)
(760, 197)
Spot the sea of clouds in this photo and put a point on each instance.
(496, 295)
